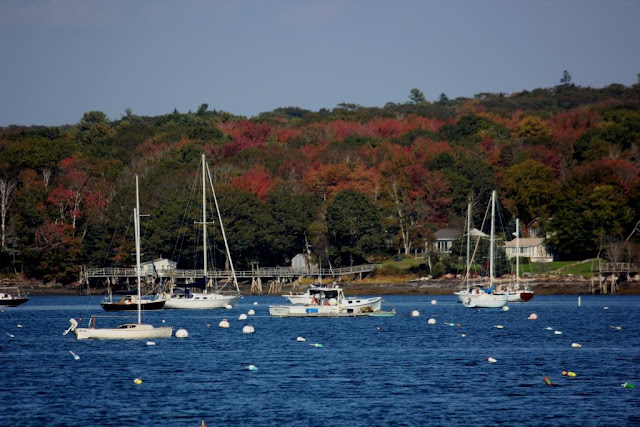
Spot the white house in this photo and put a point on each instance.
(446, 236)
(530, 247)
(157, 267)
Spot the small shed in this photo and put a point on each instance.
(157, 267)
(302, 262)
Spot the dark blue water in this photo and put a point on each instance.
(371, 371)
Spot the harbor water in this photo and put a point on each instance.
(367, 371)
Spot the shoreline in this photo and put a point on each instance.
(430, 287)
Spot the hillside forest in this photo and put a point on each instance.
(347, 185)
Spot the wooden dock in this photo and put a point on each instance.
(608, 276)
(277, 276)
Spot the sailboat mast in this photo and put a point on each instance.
(468, 243)
(204, 219)
(491, 242)
(224, 236)
(136, 226)
(517, 250)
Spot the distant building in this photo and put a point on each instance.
(530, 247)
(446, 236)
(157, 267)
(301, 262)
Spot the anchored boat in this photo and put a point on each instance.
(127, 331)
(183, 298)
(11, 297)
(325, 301)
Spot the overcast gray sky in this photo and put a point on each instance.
(62, 58)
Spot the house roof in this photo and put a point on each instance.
(454, 233)
(447, 234)
(525, 242)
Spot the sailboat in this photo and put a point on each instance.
(484, 297)
(127, 331)
(210, 298)
(513, 291)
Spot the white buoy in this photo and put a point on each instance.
(150, 343)
(431, 321)
(576, 345)
(505, 308)
(434, 302)
(251, 312)
(606, 308)
(463, 335)
(415, 313)
(301, 339)
(255, 303)
(548, 328)
(248, 329)
(498, 326)
(557, 332)
(19, 326)
(533, 316)
(228, 306)
(491, 360)
(182, 333)
(242, 317)
(579, 300)
(224, 323)
(252, 367)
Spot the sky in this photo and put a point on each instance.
(62, 58)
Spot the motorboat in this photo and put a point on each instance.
(11, 297)
(328, 301)
(307, 296)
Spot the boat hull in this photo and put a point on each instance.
(124, 332)
(12, 302)
(485, 300)
(123, 306)
(201, 301)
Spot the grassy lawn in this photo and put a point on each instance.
(562, 268)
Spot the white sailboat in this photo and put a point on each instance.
(485, 297)
(127, 331)
(513, 290)
(210, 298)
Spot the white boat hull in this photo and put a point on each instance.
(484, 300)
(129, 331)
(199, 301)
(347, 306)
